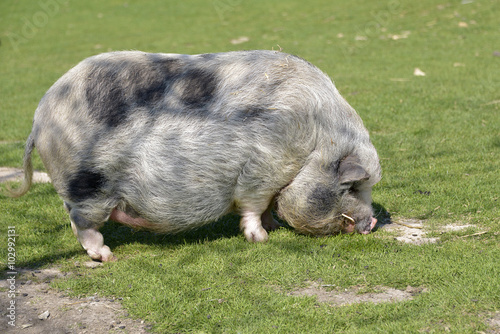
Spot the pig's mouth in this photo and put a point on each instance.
(361, 226)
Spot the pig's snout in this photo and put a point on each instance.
(371, 226)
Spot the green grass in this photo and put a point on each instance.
(438, 137)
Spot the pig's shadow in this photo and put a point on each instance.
(116, 234)
(383, 216)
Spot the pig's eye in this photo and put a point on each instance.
(349, 190)
(354, 187)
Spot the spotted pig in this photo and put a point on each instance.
(169, 142)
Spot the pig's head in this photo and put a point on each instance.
(329, 198)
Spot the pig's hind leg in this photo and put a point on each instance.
(87, 233)
(268, 221)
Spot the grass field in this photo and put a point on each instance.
(438, 137)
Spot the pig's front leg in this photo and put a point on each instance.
(255, 223)
(251, 225)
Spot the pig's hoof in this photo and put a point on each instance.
(104, 254)
(256, 235)
(251, 225)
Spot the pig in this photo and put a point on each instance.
(170, 142)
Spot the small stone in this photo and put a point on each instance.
(418, 72)
(240, 40)
(93, 264)
(44, 315)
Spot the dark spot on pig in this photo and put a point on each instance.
(150, 94)
(85, 184)
(347, 133)
(105, 96)
(64, 91)
(323, 198)
(199, 88)
(150, 81)
(168, 67)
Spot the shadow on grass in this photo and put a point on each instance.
(383, 216)
(40, 262)
(116, 234)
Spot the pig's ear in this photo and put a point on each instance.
(350, 170)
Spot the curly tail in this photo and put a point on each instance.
(28, 170)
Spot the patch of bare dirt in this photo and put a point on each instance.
(353, 295)
(412, 231)
(17, 174)
(493, 323)
(40, 309)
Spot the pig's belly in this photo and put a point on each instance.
(134, 222)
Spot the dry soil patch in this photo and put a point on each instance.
(353, 295)
(60, 313)
(413, 231)
(16, 174)
(493, 321)
(410, 231)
